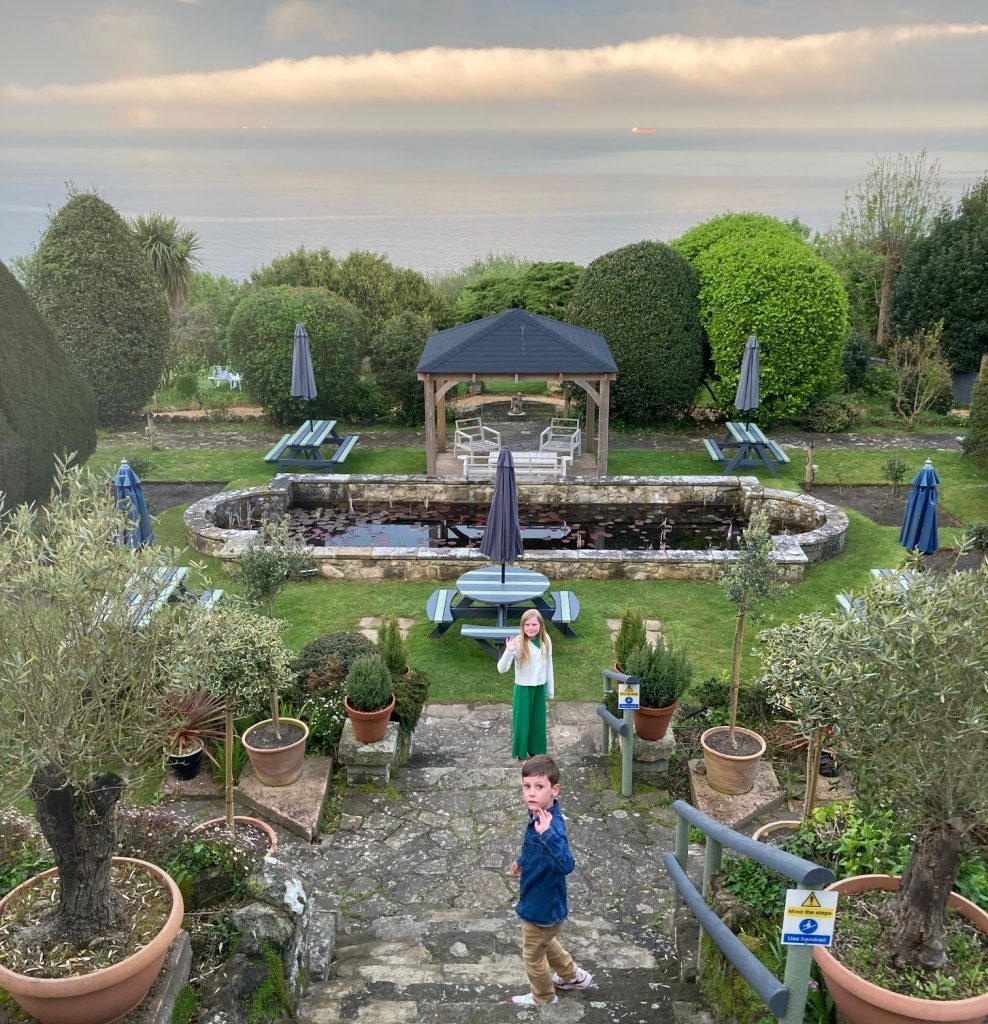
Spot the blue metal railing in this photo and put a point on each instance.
(786, 999)
(623, 726)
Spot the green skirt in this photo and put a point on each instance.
(528, 721)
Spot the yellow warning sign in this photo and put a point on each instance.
(810, 901)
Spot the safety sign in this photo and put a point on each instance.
(809, 917)
(628, 696)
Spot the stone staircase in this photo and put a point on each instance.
(417, 875)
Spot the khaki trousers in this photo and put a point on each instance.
(543, 953)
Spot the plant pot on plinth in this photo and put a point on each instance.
(861, 1002)
(276, 763)
(728, 772)
(102, 995)
(369, 726)
(653, 723)
(185, 765)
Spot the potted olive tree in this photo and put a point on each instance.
(82, 711)
(731, 754)
(905, 679)
(370, 698)
(663, 676)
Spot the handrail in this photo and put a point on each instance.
(807, 875)
(625, 729)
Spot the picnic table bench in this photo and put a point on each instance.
(304, 447)
(147, 596)
(745, 447)
(894, 577)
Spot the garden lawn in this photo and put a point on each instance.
(696, 616)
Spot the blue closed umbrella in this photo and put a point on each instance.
(502, 536)
(746, 397)
(303, 379)
(919, 526)
(130, 499)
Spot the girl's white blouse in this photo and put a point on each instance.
(537, 671)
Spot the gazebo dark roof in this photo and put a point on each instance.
(516, 341)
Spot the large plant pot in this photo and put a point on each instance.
(861, 1002)
(369, 726)
(243, 821)
(187, 764)
(653, 723)
(730, 773)
(104, 995)
(277, 766)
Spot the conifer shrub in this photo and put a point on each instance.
(393, 358)
(976, 441)
(547, 288)
(46, 407)
(643, 299)
(99, 295)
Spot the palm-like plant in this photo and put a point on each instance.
(172, 253)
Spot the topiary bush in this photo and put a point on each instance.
(344, 645)
(393, 358)
(730, 226)
(99, 295)
(772, 284)
(369, 686)
(663, 674)
(260, 340)
(643, 299)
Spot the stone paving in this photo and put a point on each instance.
(417, 877)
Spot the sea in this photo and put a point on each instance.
(437, 201)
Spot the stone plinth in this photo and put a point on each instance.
(368, 762)
(651, 757)
(736, 811)
(296, 807)
(202, 787)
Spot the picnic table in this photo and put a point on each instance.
(305, 447)
(149, 592)
(745, 447)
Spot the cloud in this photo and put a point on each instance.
(701, 68)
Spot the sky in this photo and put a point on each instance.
(751, 65)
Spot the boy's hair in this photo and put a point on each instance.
(541, 764)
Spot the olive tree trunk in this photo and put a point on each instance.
(79, 824)
(916, 935)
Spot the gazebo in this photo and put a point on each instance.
(516, 345)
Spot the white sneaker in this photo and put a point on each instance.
(583, 979)
(529, 1000)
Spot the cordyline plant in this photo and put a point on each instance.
(905, 679)
(83, 688)
(747, 581)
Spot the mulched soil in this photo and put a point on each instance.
(265, 738)
(876, 502)
(166, 494)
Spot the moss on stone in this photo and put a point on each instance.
(271, 999)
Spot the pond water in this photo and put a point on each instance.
(600, 527)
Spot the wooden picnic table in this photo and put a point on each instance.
(745, 447)
(305, 446)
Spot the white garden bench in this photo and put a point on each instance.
(471, 437)
(563, 435)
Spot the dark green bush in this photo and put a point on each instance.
(663, 674)
(629, 637)
(976, 439)
(488, 294)
(643, 300)
(878, 381)
(834, 414)
(99, 295)
(411, 692)
(393, 358)
(260, 340)
(547, 288)
(854, 363)
(976, 535)
(369, 686)
(343, 644)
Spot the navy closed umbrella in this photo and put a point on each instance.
(746, 397)
(919, 526)
(303, 379)
(130, 499)
(502, 536)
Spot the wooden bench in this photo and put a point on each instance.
(713, 448)
(346, 446)
(486, 635)
(566, 611)
(275, 454)
(439, 609)
(756, 432)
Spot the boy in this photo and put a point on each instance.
(543, 864)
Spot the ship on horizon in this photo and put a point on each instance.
(642, 131)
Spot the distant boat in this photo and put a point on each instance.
(642, 131)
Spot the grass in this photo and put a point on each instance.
(696, 616)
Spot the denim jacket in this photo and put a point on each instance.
(545, 861)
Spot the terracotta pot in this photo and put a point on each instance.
(771, 827)
(729, 773)
(653, 723)
(861, 1002)
(369, 726)
(277, 766)
(103, 995)
(247, 822)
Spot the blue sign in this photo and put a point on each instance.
(807, 926)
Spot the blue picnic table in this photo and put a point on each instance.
(304, 447)
(745, 447)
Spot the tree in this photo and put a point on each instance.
(393, 358)
(95, 288)
(46, 407)
(269, 563)
(488, 294)
(921, 373)
(547, 288)
(83, 689)
(643, 299)
(943, 280)
(888, 213)
(903, 680)
(171, 252)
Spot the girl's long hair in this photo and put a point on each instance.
(524, 647)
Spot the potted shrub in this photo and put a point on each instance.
(629, 637)
(195, 717)
(731, 755)
(393, 646)
(906, 678)
(663, 676)
(83, 707)
(370, 698)
(271, 561)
